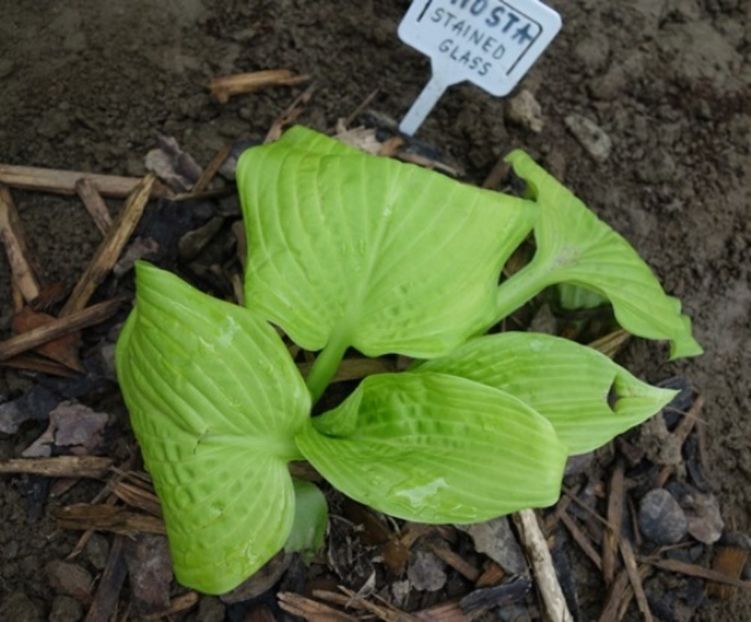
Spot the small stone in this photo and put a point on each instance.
(65, 609)
(524, 110)
(705, 522)
(18, 607)
(495, 539)
(210, 610)
(6, 67)
(150, 572)
(97, 551)
(425, 571)
(70, 579)
(591, 136)
(661, 519)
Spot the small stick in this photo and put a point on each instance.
(456, 561)
(57, 328)
(211, 170)
(106, 517)
(113, 578)
(227, 86)
(94, 204)
(582, 540)
(177, 605)
(615, 518)
(109, 250)
(610, 345)
(21, 265)
(619, 596)
(542, 563)
(673, 565)
(359, 110)
(311, 610)
(497, 174)
(62, 466)
(64, 182)
(291, 114)
(635, 579)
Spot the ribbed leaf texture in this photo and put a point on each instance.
(353, 249)
(574, 246)
(588, 398)
(436, 449)
(215, 401)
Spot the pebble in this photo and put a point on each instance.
(591, 136)
(524, 110)
(97, 550)
(70, 579)
(425, 571)
(150, 572)
(661, 519)
(18, 607)
(65, 609)
(495, 539)
(210, 610)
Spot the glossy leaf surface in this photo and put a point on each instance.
(346, 248)
(588, 398)
(215, 402)
(435, 448)
(574, 246)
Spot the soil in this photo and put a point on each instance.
(88, 85)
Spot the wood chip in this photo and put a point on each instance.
(228, 86)
(445, 612)
(610, 345)
(290, 115)
(456, 561)
(635, 579)
(179, 604)
(211, 170)
(64, 182)
(103, 517)
(619, 596)
(497, 174)
(57, 328)
(108, 592)
(22, 268)
(109, 250)
(35, 363)
(94, 204)
(62, 466)
(137, 497)
(692, 570)
(541, 561)
(582, 540)
(728, 561)
(612, 534)
(491, 576)
(311, 610)
(63, 350)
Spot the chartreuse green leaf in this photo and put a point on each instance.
(436, 448)
(588, 398)
(215, 402)
(348, 249)
(574, 246)
(311, 517)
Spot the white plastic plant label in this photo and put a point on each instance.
(491, 43)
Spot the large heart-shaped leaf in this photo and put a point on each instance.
(574, 246)
(215, 402)
(588, 398)
(346, 248)
(436, 448)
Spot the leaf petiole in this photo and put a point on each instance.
(326, 365)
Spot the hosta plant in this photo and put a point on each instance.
(348, 250)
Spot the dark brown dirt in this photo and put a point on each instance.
(87, 85)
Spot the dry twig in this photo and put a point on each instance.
(57, 328)
(94, 204)
(113, 578)
(225, 87)
(64, 182)
(109, 250)
(62, 466)
(539, 557)
(22, 267)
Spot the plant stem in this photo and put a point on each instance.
(519, 289)
(326, 365)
